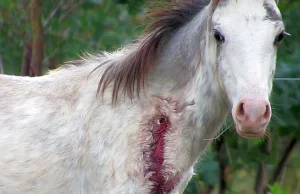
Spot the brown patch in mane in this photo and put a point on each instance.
(131, 73)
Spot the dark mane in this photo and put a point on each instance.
(131, 73)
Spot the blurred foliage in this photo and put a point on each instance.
(72, 27)
(277, 189)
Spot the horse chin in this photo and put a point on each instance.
(248, 134)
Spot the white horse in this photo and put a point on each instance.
(137, 120)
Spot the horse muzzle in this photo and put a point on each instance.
(252, 117)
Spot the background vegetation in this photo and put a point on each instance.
(38, 35)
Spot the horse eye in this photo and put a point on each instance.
(279, 38)
(219, 37)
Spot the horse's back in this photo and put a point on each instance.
(17, 94)
(23, 100)
(32, 136)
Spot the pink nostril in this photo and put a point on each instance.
(252, 115)
(241, 114)
(253, 111)
(242, 109)
(267, 114)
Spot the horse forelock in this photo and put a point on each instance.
(131, 72)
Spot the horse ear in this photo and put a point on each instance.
(215, 3)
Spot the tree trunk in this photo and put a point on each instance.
(282, 163)
(260, 179)
(262, 170)
(52, 63)
(222, 166)
(1, 66)
(26, 60)
(278, 171)
(37, 38)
